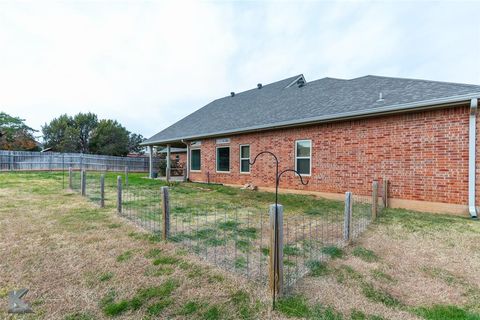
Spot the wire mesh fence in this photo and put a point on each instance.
(75, 180)
(237, 238)
(232, 238)
(361, 214)
(143, 207)
(93, 187)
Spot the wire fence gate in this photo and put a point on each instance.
(239, 239)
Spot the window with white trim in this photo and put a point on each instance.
(223, 159)
(195, 160)
(245, 158)
(303, 156)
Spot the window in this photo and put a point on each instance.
(223, 159)
(245, 159)
(195, 160)
(303, 156)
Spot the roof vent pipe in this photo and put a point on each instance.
(472, 141)
(259, 86)
(380, 97)
(232, 94)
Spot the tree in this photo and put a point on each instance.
(110, 138)
(70, 134)
(85, 123)
(15, 134)
(61, 134)
(134, 143)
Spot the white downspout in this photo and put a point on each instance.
(472, 140)
(150, 162)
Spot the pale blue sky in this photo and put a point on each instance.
(148, 64)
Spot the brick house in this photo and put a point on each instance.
(178, 158)
(341, 135)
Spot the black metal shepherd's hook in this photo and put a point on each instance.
(277, 183)
(278, 175)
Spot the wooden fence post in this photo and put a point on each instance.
(119, 194)
(347, 223)
(10, 161)
(385, 192)
(126, 176)
(70, 178)
(102, 191)
(165, 213)
(276, 251)
(83, 183)
(374, 199)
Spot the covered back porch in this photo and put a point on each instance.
(175, 166)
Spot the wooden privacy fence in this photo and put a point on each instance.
(54, 161)
(273, 248)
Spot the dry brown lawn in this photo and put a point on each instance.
(404, 261)
(70, 254)
(73, 256)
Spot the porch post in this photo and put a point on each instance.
(150, 162)
(167, 174)
(188, 161)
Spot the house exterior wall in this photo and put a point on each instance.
(181, 156)
(423, 154)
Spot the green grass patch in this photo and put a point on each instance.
(165, 260)
(114, 225)
(265, 251)
(160, 293)
(333, 252)
(241, 301)
(346, 273)
(441, 312)
(213, 313)
(105, 276)
(157, 308)
(80, 316)
(442, 274)
(189, 308)
(127, 255)
(317, 268)
(380, 296)
(158, 271)
(248, 232)
(229, 225)
(291, 250)
(240, 263)
(320, 312)
(365, 254)
(423, 222)
(382, 276)
(293, 306)
(153, 253)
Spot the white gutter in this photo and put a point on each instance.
(472, 141)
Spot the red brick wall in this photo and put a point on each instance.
(424, 155)
(182, 157)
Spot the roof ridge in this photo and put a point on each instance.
(415, 79)
(263, 86)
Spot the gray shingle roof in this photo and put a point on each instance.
(277, 105)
